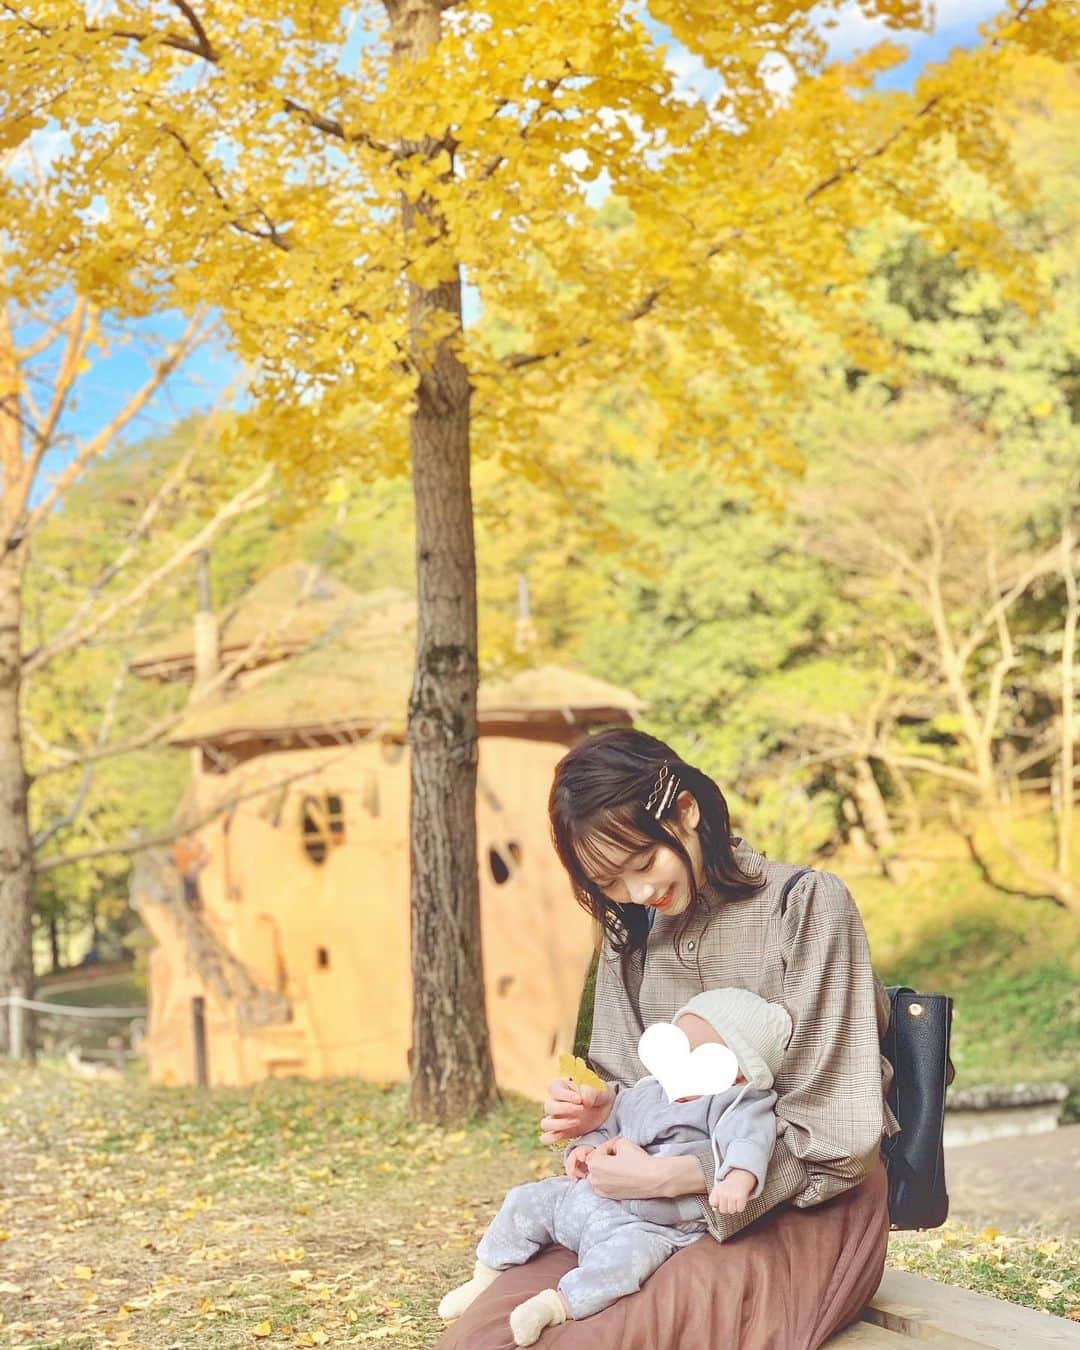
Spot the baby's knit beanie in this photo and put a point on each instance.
(756, 1032)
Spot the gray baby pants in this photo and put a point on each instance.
(616, 1250)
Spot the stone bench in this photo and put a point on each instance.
(910, 1308)
(996, 1112)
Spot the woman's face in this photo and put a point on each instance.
(655, 875)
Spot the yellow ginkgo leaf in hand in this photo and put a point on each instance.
(573, 1066)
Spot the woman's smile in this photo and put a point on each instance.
(666, 899)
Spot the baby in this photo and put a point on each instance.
(620, 1243)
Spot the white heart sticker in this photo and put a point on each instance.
(665, 1051)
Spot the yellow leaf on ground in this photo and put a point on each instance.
(263, 1329)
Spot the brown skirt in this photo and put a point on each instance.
(789, 1282)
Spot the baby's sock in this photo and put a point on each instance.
(528, 1319)
(457, 1300)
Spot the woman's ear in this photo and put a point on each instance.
(688, 810)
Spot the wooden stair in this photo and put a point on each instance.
(909, 1308)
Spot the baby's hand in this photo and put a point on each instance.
(730, 1195)
(577, 1168)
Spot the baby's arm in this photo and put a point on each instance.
(744, 1140)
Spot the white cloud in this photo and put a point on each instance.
(777, 75)
(853, 31)
(692, 79)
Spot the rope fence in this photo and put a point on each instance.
(17, 1007)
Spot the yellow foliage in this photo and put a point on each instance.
(328, 197)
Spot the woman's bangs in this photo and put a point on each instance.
(619, 832)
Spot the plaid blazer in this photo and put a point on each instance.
(815, 960)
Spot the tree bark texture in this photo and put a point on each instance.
(452, 1072)
(16, 856)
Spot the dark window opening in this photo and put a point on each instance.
(315, 833)
(504, 861)
(500, 873)
(323, 957)
(503, 984)
(323, 824)
(335, 818)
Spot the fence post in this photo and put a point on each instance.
(15, 1025)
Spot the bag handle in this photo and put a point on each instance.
(790, 885)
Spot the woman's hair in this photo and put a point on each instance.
(599, 794)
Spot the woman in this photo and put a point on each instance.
(686, 907)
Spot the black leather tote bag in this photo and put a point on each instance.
(917, 1046)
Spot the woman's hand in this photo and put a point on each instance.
(620, 1170)
(571, 1110)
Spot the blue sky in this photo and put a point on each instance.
(203, 380)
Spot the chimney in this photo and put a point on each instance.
(525, 635)
(207, 656)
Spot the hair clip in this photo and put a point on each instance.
(665, 788)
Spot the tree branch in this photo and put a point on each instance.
(860, 160)
(142, 526)
(520, 360)
(205, 49)
(83, 791)
(270, 235)
(100, 442)
(248, 654)
(984, 868)
(178, 829)
(1042, 566)
(247, 499)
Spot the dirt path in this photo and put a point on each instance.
(1033, 1180)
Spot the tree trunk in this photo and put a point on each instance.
(874, 816)
(452, 1072)
(54, 941)
(16, 857)
(1068, 704)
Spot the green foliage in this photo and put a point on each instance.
(1011, 965)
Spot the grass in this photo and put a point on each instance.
(298, 1213)
(290, 1213)
(123, 991)
(1012, 965)
(1036, 1270)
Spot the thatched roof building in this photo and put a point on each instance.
(282, 919)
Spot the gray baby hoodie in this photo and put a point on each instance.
(742, 1136)
(739, 1120)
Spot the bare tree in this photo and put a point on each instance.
(39, 381)
(947, 548)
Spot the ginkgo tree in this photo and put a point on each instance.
(341, 183)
